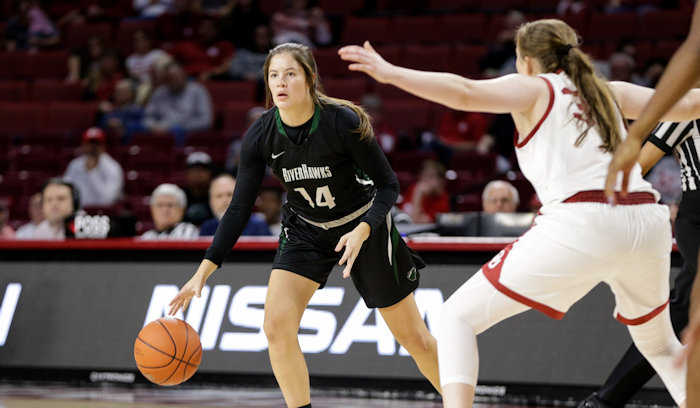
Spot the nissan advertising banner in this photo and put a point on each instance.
(73, 314)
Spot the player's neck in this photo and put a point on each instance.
(297, 115)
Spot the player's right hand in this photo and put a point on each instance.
(366, 59)
(192, 288)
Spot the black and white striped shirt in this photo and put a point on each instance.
(684, 139)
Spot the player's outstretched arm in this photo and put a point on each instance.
(510, 93)
(193, 287)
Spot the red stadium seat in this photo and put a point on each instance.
(12, 64)
(351, 89)
(48, 138)
(235, 116)
(230, 91)
(665, 49)
(664, 25)
(47, 90)
(270, 7)
(209, 139)
(47, 64)
(148, 140)
(151, 159)
(467, 59)
(357, 30)
(611, 27)
(39, 159)
(341, 7)
(410, 161)
(462, 28)
(468, 202)
(13, 91)
(76, 35)
(413, 30)
(409, 115)
(480, 165)
(450, 5)
(329, 63)
(430, 58)
(74, 116)
(21, 117)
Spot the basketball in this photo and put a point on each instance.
(167, 351)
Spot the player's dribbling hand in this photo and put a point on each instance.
(366, 59)
(192, 288)
(352, 241)
(624, 159)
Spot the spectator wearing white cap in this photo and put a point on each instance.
(198, 176)
(98, 177)
(168, 203)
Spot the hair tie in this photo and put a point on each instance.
(563, 51)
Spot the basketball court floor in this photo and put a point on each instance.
(38, 396)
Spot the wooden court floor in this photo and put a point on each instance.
(37, 396)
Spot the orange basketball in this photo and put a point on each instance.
(167, 351)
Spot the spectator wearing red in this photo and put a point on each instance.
(204, 57)
(428, 196)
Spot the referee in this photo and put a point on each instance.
(683, 138)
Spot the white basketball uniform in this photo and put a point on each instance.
(576, 242)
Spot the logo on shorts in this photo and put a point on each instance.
(412, 274)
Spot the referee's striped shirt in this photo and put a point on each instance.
(683, 138)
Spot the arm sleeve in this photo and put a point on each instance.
(369, 157)
(251, 172)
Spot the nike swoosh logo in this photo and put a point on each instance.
(274, 156)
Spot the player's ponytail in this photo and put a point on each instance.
(555, 45)
(303, 55)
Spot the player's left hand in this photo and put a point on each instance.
(352, 241)
(624, 159)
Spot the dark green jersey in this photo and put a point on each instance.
(327, 171)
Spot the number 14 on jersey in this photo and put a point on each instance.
(324, 198)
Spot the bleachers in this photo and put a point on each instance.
(43, 115)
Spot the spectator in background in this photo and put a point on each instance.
(198, 176)
(36, 216)
(30, 28)
(270, 206)
(124, 116)
(180, 23)
(499, 196)
(220, 194)
(178, 106)
(247, 63)
(239, 25)
(100, 83)
(298, 23)
(205, 56)
(501, 55)
(140, 63)
(168, 203)
(461, 131)
(59, 201)
(6, 232)
(152, 8)
(622, 67)
(96, 175)
(427, 197)
(385, 134)
(214, 8)
(85, 63)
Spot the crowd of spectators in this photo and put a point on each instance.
(159, 81)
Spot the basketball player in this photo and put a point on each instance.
(569, 124)
(340, 189)
(633, 371)
(682, 72)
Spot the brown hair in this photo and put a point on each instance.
(555, 45)
(302, 54)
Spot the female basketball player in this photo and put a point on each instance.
(340, 189)
(569, 124)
